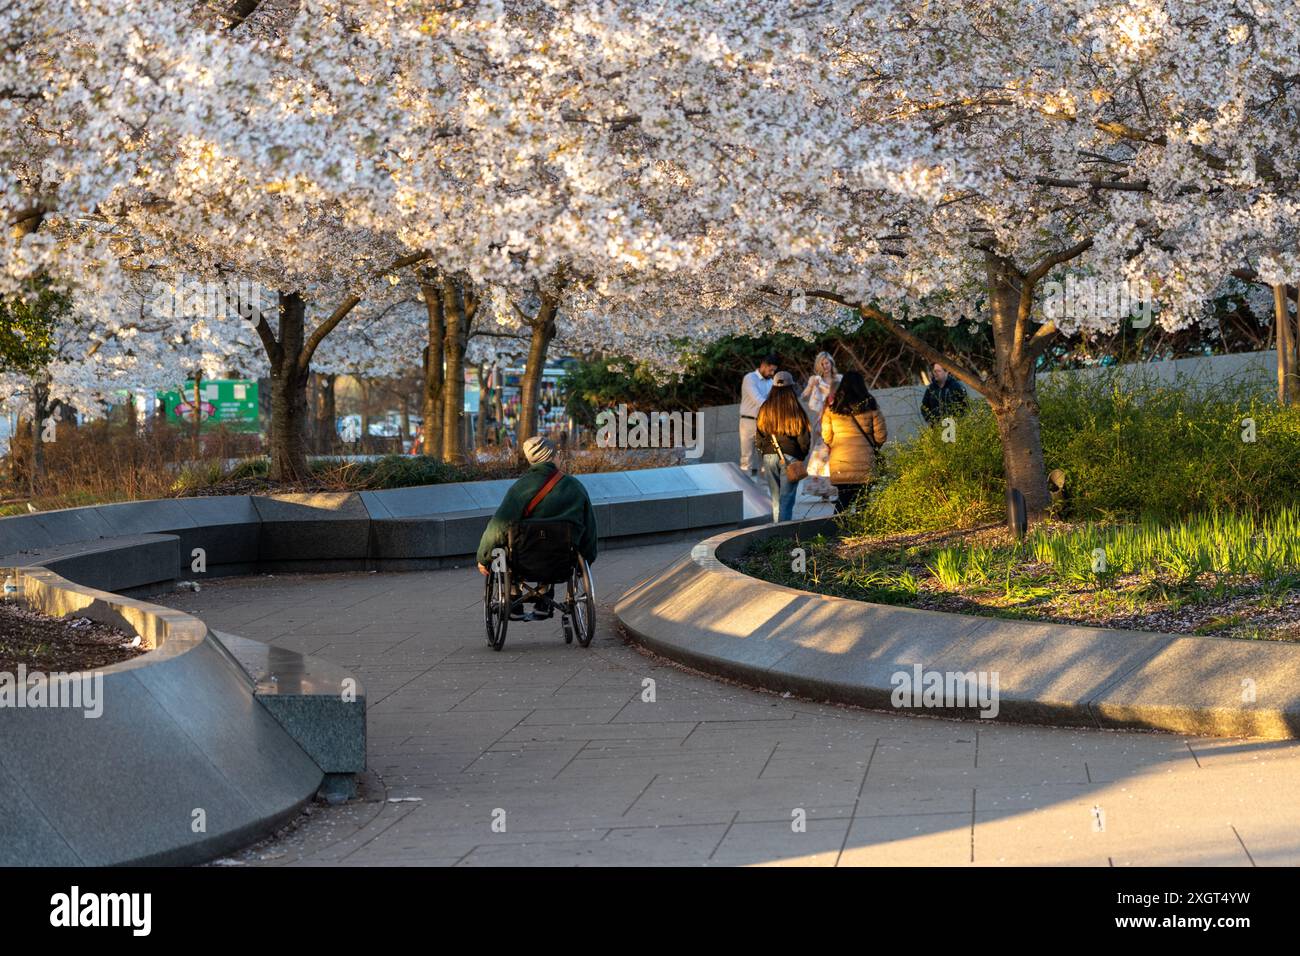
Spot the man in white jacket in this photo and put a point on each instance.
(754, 389)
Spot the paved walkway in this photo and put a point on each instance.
(557, 747)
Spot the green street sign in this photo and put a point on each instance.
(229, 402)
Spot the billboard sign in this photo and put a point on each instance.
(229, 402)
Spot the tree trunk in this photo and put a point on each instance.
(289, 394)
(1288, 387)
(288, 425)
(453, 384)
(431, 398)
(366, 443)
(480, 421)
(543, 330)
(1014, 397)
(18, 423)
(1010, 386)
(313, 414)
(498, 409)
(459, 306)
(326, 414)
(197, 398)
(1022, 449)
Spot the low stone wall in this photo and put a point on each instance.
(147, 545)
(902, 406)
(709, 616)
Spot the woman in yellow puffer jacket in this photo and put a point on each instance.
(853, 428)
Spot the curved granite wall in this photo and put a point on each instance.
(169, 758)
(158, 542)
(706, 614)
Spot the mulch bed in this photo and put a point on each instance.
(265, 486)
(48, 644)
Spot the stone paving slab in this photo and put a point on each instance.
(710, 773)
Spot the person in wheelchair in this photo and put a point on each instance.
(543, 493)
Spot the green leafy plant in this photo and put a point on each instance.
(28, 326)
(1131, 450)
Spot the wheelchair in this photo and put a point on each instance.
(539, 555)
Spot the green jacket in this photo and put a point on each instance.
(567, 501)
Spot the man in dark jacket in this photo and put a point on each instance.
(567, 501)
(944, 396)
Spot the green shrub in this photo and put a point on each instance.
(403, 471)
(927, 484)
(194, 477)
(1129, 451)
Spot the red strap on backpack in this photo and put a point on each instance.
(545, 490)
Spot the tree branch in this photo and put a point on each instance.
(239, 11)
(929, 352)
(1050, 262)
(346, 306)
(918, 345)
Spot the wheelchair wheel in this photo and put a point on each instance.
(582, 602)
(496, 607)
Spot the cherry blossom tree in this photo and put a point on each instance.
(1135, 140)
(641, 174)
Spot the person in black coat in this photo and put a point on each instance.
(944, 396)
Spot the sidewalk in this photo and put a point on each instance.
(558, 745)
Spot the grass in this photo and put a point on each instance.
(1234, 575)
(1220, 547)
(1130, 450)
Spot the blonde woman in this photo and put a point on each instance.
(821, 385)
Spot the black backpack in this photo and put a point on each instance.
(542, 550)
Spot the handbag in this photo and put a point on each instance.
(796, 470)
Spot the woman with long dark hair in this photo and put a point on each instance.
(782, 435)
(854, 429)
